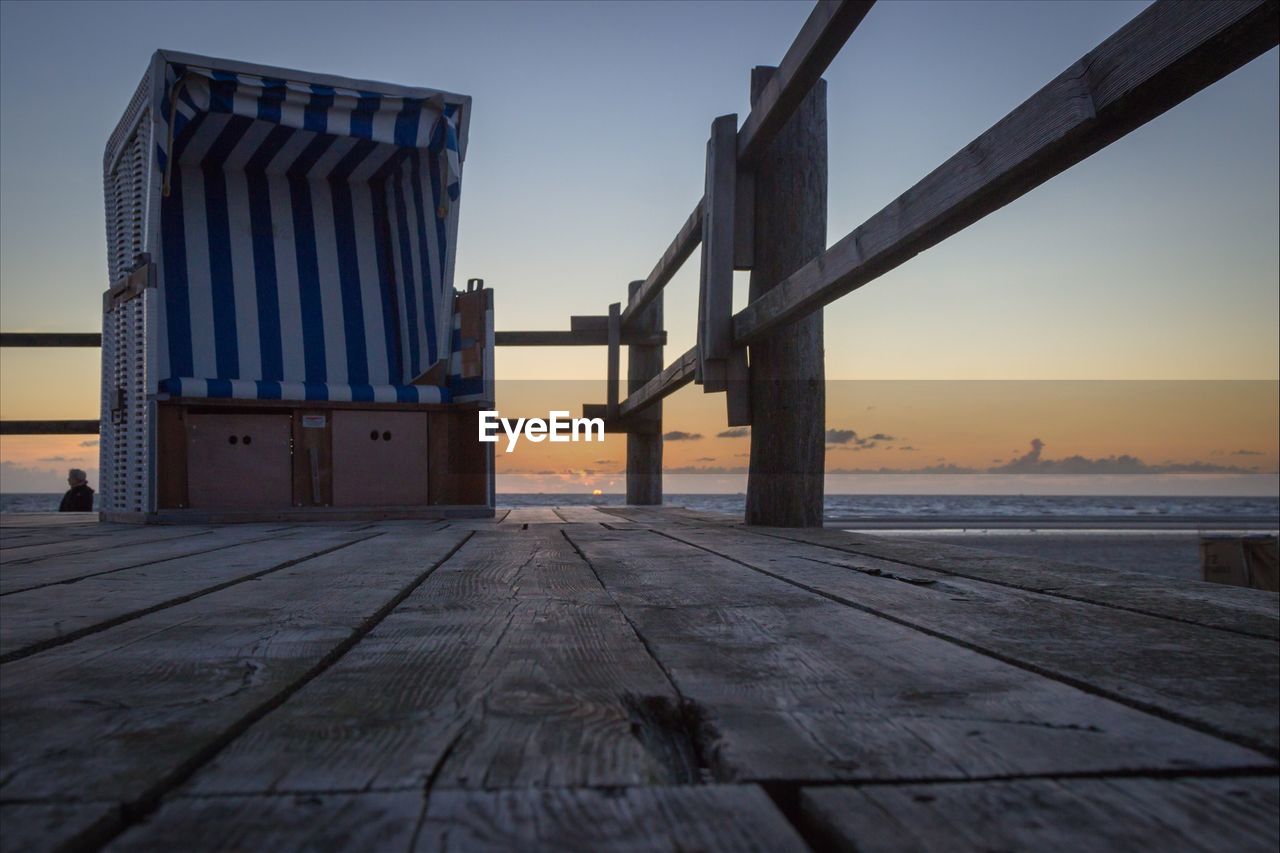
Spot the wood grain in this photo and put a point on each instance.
(785, 479)
(122, 716)
(46, 616)
(705, 818)
(141, 551)
(1118, 815)
(797, 686)
(1241, 611)
(510, 666)
(1205, 678)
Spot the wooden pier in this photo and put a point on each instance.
(567, 678)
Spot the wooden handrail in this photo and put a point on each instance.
(825, 31)
(50, 339)
(85, 427)
(1166, 54)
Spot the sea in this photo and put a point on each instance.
(930, 510)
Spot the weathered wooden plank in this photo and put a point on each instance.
(1242, 611)
(786, 474)
(50, 339)
(82, 427)
(69, 568)
(30, 826)
(1214, 681)
(48, 616)
(825, 31)
(710, 818)
(125, 715)
(715, 309)
(581, 514)
(347, 821)
(737, 389)
(644, 448)
(686, 240)
(677, 375)
(588, 338)
(511, 667)
(1119, 815)
(791, 685)
(827, 28)
(663, 516)
(12, 521)
(73, 539)
(1163, 56)
(532, 515)
(614, 360)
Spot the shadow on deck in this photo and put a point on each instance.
(638, 678)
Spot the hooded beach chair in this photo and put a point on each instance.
(282, 335)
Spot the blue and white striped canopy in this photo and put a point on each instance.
(306, 237)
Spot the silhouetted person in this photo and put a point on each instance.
(79, 498)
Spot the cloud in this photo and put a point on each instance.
(680, 435)
(906, 448)
(1247, 453)
(710, 469)
(735, 432)
(841, 436)
(850, 440)
(705, 459)
(944, 468)
(56, 459)
(93, 442)
(1034, 462)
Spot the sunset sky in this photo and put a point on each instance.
(1155, 259)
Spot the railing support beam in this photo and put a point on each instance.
(644, 449)
(788, 396)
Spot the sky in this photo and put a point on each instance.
(1155, 259)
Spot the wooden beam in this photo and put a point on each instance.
(715, 311)
(677, 375)
(644, 446)
(589, 322)
(48, 427)
(1163, 56)
(737, 388)
(825, 31)
(594, 338)
(672, 259)
(787, 393)
(50, 339)
(614, 358)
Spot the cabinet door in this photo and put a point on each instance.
(379, 458)
(239, 462)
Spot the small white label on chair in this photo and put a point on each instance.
(313, 421)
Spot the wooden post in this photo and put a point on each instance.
(715, 308)
(615, 346)
(644, 449)
(788, 397)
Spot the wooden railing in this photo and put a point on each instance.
(1167, 53)
(50, 339)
